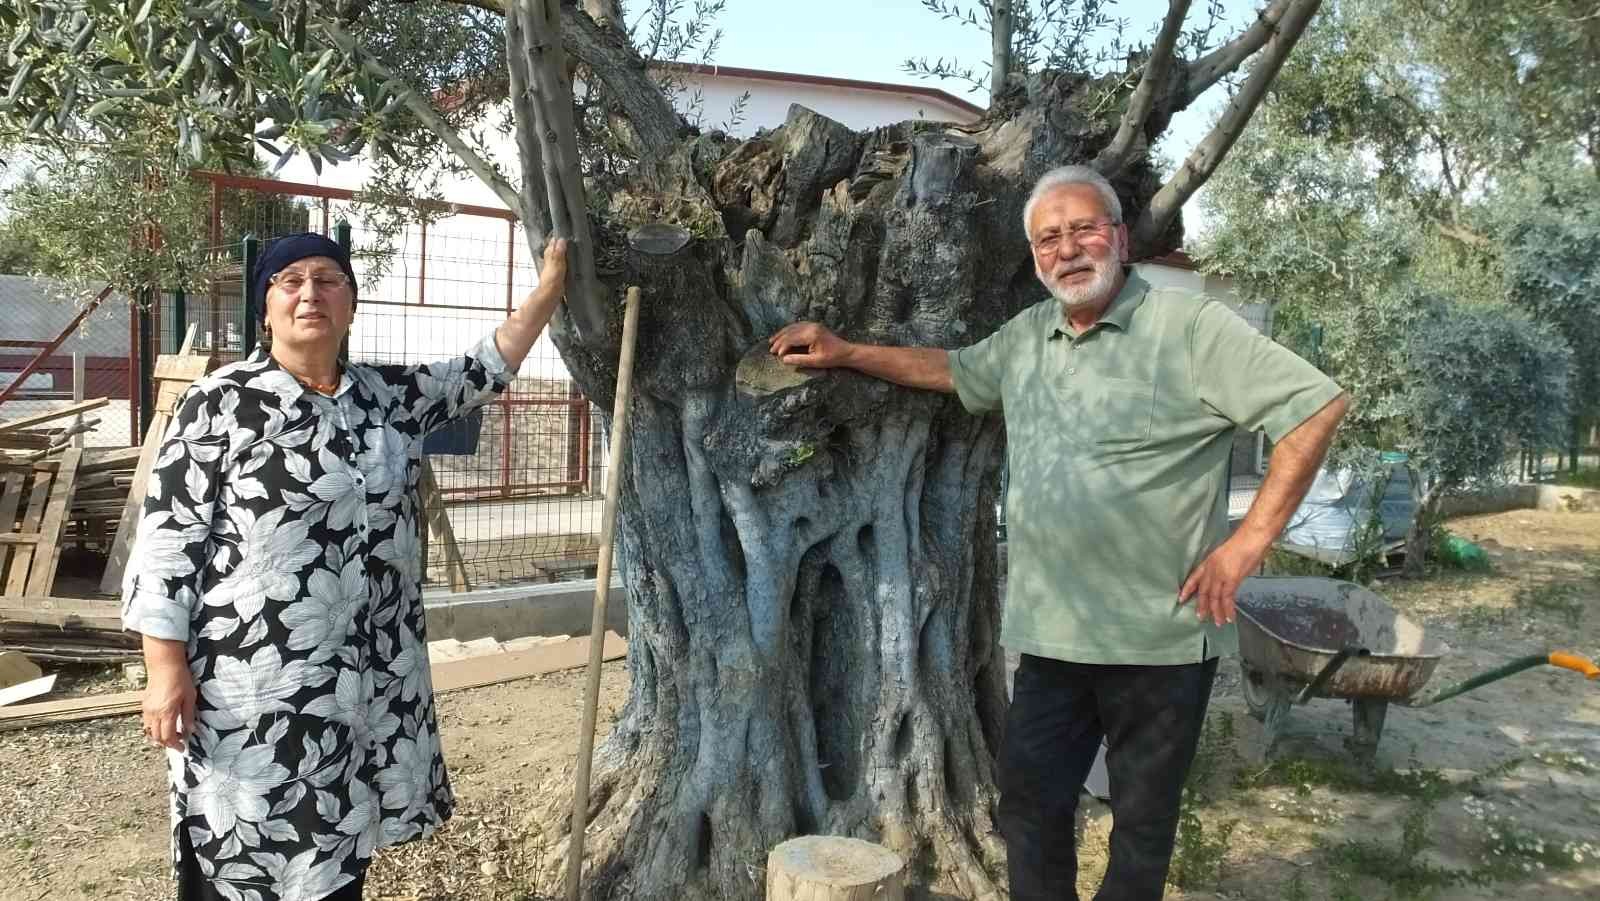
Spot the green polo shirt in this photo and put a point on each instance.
(1118, 441)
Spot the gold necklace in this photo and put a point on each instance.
(318, 386)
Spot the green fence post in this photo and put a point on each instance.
(147, 363)
(180, 318)
(252, 252)
(341, 236)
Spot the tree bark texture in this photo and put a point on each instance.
(810, 558)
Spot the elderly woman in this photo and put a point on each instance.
(276, 581)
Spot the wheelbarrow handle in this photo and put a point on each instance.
(1576, 663)
(1328, 670)
(1562, 659)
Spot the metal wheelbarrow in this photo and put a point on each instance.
(1308, 637)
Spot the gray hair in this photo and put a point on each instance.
(1061, 177)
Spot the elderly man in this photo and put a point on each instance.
(1121, 402)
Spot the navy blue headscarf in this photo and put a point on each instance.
(293, 248)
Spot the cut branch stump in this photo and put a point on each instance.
(834, 868)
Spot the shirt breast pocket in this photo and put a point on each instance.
(1114, 411)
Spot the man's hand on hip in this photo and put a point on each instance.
(1215, 582)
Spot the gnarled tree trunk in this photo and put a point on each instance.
(810, 558)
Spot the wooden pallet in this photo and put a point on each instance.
(34, 500)
(436, 524)
(174, 373)
(71, 630)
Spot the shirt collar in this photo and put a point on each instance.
(1118, 313)
(271, 376)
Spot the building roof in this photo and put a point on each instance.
(931, 93)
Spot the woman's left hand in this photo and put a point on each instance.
(553, 270)
(516, 336)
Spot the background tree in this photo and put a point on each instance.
(809, 557)
(1404, 213)
(1469, 114)
(1545, 218)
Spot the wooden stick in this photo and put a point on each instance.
(35, 419)
(602, 588)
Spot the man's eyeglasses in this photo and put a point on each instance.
(324, 282)
(1079, 232)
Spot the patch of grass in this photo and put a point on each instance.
(1484, 616)
(1198, 853)
(1296, 889)
(1216, 748)
(1419, 782)
(1512, 849)
(1564, 599)
(1396, 866)
(1302, 773)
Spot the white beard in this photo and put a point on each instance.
(1096, 292)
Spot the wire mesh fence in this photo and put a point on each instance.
(49, 356)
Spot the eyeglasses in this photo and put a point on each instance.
(324, 282)
(1079, 232)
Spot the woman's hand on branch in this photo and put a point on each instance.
(552, 271)
(515, 337)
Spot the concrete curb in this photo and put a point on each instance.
(559, 608)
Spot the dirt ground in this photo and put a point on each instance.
(1494, 794)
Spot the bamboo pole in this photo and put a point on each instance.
(602, 588)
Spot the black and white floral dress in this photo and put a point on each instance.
(280, 540)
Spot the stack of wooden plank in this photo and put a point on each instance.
(449, 675)
(66, 630)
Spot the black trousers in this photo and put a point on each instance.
(1150, 717)
(194, 886)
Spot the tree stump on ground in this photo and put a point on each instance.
(834, 868)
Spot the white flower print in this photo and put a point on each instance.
(408, 780)
(354, 704)
(271, 551)
(242, 691)
(301, 878)
(435, 383)
(338, 488)
(403, 551)
(323, 617)
(364, 820)
(387, 461)
(410, 666)
(233, 781)
(164, 552)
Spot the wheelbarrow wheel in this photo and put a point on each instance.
(1258, 688)
(1268, 700)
